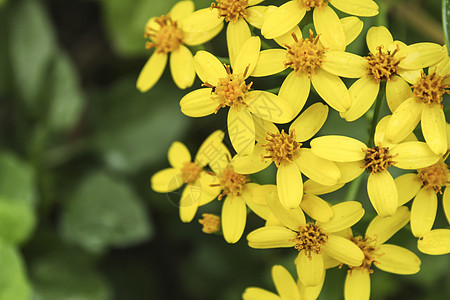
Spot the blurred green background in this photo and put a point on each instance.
(79, 143)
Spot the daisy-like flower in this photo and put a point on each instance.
(285, 150)
(386, 257)
(286, 287)
(387, 60)
(227, 87)
(236, 13)
(381, 187)
(435, 242)
(167, 36)
(199, 188)
(310, 239)
(326, 21)
(424, 186)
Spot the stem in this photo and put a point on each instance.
(446, 22)
(353, 189)
(376, 115)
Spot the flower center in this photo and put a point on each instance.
(282, 147)
(369, 253)
(382, 65)
(210, 222)
(310, 238)
(167, 39)
(190, 172)
(434, 177)
(431, 88)
(377, 159)
(231, 90)
(232, 10)
(305, 55)
(232, 183)
(308, 4)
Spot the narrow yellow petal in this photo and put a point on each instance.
(435, 242)
(344, 64)
(408, 185)
(357, 285)
(343, 250)
(413, 155)
(198, 103)
(328, 25)
(338, 148)
(378, 36)
(380, 132)
(271, 237)
(241, 130)
(287, 39)
(320, 170)
(291, 218)
(316, 208)
(383, 193)
(151, 72)
(208, 150)
(362, 8)
(363, 93)
(309, 122)
(404, 119)
(217, 158)
(382, 229)
(181, 10)
(166, 180)
(310, 269)
(423, 212)
(234, 216)
(434, 128)
(189, 202)
(208, 67)
(314, 188)
(201, 20)
(284, 283)
(397, 260)
(290, 185)
(178, 155)
(443, 67)
(329, 262)
(282, 19)
(421, 55)
(397, 91)
(210, 188)
(253, 293)
(295, 90)
(252, 163)
(411, 76)
(332, 90)
(198, 38)
(254, 2)
(262, 127)
(260, 193)
(247, 57)
(270, 62)
(446, 204)
(255, 15)
(182, 67)
(237, 33)
(270, 107)
(352, 28)
(349, 170)
(346, 214)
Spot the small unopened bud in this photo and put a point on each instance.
(210, 222)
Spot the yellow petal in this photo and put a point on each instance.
(435, 242)
(423, 212)
(380, 132)
(284, 283)
(247, 57)
(282, 19)
(309, 122)
(363, 93)
(421, 55)
(413, 155)
(411, 76)
(446, 204)
(338, 148)
(271, 237)
(189, 202)
(181, 10)
(397, 91)
(270, 62)
(182, 67)
(178, 155)
(253, 293)
(310, 269)
(343, 250)
(316, 208)
(349, 170)
(166, 180)
(202, 20)
(357, 285)
(318, 169)
(295, 90)
(346, 214)
(255, 15)
(210, 188)
(234, 216)
(378, 36)
(254, 2)
(332, 90)
(382, 193)
(252, 163)
(434, 128)
(290, 185)
(151, 72)
(269, 107)
(329, 27)
(344, 64)
(314, 188)
(218, 160)
(262, 127)
(362, 8)
(209, 149)
(198, 38)
(382, 229)
(404, 119)
(260, 193)
(287, 39)
(208, 67)
(292, 218)
(408, 185)
(329, 262)
(237, 33)
(241, 130)
(443, 67)
(198, 103)
(397, 260)
(352, 28)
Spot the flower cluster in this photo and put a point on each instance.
(266, 41)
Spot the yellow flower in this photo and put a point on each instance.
(210, 222)
(435, 242)
(386, 257)
(286, 287)
(311, 239)
(381, 187)
(236, 13)
(285, 150)
(326, 21)
(199, 189)
(225, 88)
(166, 34)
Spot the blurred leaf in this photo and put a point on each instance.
(3, 2)
(13, 283)
(446, 22)
(31, 48)
(4, 60)
(104, 212)
(17, 221)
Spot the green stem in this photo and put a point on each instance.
(353, 189)
(446, 22)
(382, 17)
(376, 115)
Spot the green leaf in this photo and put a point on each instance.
(17, 221)
(13, 282)
(104, 212)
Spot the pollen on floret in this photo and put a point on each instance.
(281, 147)
(367, 246)
(430, 89)
(309, 4)
(190, 172)
(305, 55)
(383, 65)
(232, 183)
(167, 38)
(310, 238)
(232, 10)
(210, 222)
(377, 159)
(434, 177)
